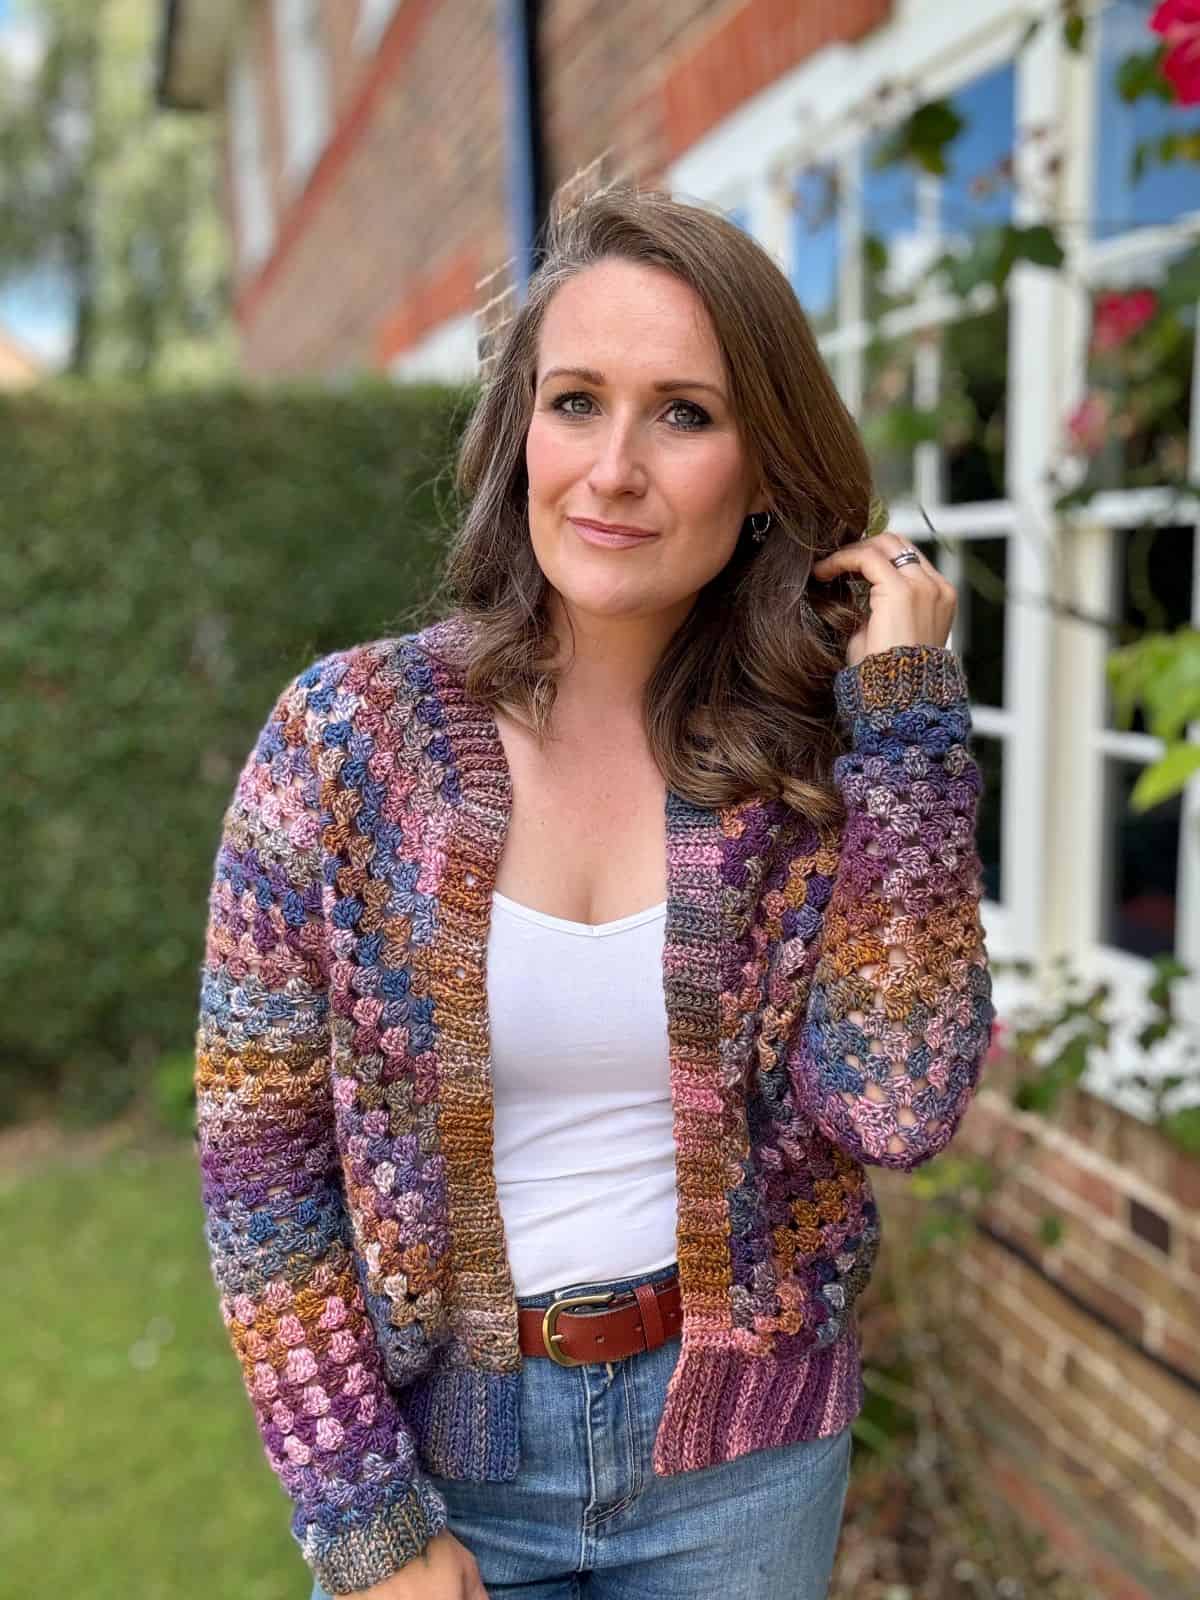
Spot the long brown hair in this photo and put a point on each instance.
(740, 704)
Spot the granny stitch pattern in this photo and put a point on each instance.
(828, 1003)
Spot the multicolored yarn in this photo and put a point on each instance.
(344, 1095)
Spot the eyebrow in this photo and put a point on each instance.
(590, 375)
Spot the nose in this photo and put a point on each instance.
(617, 468)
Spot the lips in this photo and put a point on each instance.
(614, 536)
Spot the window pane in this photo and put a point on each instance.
(894, 251)
(816, 245)
(989, 756)
(981, 615)
(1164, 191)
(977, 190)
(888, 413)
(1152, 587)
(1141, 867)
(974, 388)
(1139, 388)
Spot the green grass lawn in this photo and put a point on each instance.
(130, 1465)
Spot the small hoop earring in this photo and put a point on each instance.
(756, 533)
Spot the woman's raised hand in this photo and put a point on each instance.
(912, 604)
(444, 1570)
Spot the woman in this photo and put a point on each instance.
(586, 945)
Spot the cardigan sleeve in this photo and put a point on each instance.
(899, 1013)
(275, 1213)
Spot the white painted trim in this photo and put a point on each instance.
(820, 106)
(1052, 719)
(373, 19)
(304, 85)
(447, 355)
(253, 212)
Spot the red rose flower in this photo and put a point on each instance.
(1087, 425)
(1117, 317)
(1179, 23)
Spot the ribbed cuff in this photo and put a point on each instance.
(899, 678)
(359, 1554)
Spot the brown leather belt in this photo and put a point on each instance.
(639, 1319)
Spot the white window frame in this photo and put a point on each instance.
(304, 85)
(373, 19)
(949, 53)
(1094, 264)
(253, 210)
(1055, 683)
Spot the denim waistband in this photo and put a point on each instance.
(586, 1286)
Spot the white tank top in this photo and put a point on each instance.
(584, 1149)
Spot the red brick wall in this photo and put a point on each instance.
(1084, 1353)
(603, 63)
(408, 196)
(415, 173)
(647, 82)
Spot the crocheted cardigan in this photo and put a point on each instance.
(344, 1114)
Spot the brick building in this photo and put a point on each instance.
(384, 156)
(19, 367)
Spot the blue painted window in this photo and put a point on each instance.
(888, 197)
(1163, 192)
(816, 246)
(977, 189)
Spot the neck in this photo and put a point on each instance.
(609, 660)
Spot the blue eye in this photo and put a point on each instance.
(698, 412)
(560, 404)
(699, 418)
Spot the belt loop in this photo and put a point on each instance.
(652, 1321)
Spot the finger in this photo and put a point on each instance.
(873, 558)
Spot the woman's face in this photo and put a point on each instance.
(632, 425)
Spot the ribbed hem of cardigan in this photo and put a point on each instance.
(721, 1404)
(467, 1424)
(896, 679)
(357, 1556)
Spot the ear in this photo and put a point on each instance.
(759, 499)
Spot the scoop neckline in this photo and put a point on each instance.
(587, 930)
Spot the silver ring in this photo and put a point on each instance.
(905, 558)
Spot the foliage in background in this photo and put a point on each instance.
(172, 557)
(114, 197)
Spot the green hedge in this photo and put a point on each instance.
(170, 559)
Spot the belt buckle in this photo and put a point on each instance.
(550, 1322)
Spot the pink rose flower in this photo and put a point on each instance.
(1117, 317)
(1179, 23)
(1087, 425)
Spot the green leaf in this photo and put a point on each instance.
(1138, 74)
(1051, 1229)
(922, 139)
(1183, 1127)
(1162, 673)
(1038, 244)
(903, 427)
(875, 253)
(1074, 31)
(993, 253)
(1166, 777)
(1153, 1033)
(1180, 287)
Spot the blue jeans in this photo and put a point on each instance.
(586, 1515)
